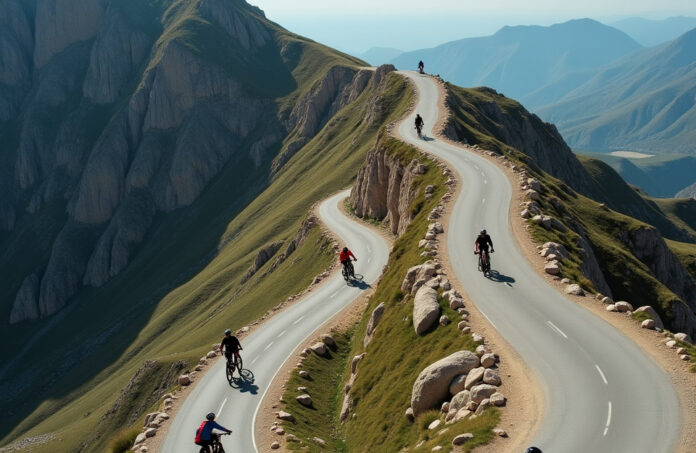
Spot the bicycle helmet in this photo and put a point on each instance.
(228, 331)
(345, 249)
(483, 231)
(533, 450)
(210, 416)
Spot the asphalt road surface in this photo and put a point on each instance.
(603, 394)
(268, 347)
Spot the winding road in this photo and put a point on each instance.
(268, 347)
(603, 394)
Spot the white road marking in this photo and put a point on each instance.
(281, 334)
(223, 405)
(483, 201)
(559, 331)
(369, 260)
(298, 320)
(606, 427)
(485, 181)
(483, 174)
(489, 320)
(333, 295)
(604, 378)
(269, 345)
(255, 359)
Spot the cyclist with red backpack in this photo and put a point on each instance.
(205, 436)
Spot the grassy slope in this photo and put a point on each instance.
(396, 354)
(177, 324)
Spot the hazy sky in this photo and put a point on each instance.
(356, 25)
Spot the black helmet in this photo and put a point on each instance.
(210, 416)
(484, 232)
(533, 450)
(345, 249)
(228, 331)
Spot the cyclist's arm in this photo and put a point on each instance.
(221, 428)
(351, 254)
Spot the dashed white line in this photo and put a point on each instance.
(281, 334)
(269, 345)
(333, 295)
(604, 378)
(369, 260)
(255, 359)
(606, 427)
(223, 405)
(483, 201)
(298, 320)
(558, 331)
(485, 181)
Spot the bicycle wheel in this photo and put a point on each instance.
(229, 371)
(240, 366)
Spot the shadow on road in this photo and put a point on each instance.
(245, 382)
(496, 276)
(358, 282)
(428, 139)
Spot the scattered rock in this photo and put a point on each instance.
(500, 432)
(474, 377)
(650, 311)
(574, 290)
(355, 361)
(304, 374)
(683, 337)
(485, 404)
(280, 431)
(372, 324)
(304, 400)
(553, 268)
(564, 280)
(462, 438)
(607, 300)
(285, 416)
(319, 441)
(318, 348)
(444, 320)
(150, 432)
(481, 392)
(211, 354)
(434, 424)
(487, 360)
(445, 407)
(671, 344)
(490, 376)
(409, 414)
(456, 303)
(275, 445)
(611, 307)
(478, 338)
(184, 380)
(497, 399)
(648, 324)
(458, 384)
(685, 357)
(623, 307)
(328, 340)
(140, 438)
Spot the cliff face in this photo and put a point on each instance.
(123, 109)
(384, 188)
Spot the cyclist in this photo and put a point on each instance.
(483, 240)
(230, 345)
(419, 124)
(344, 258)
(420, 66)
(204, 433)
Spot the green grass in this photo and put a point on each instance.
(325, 388)
(173, 300)
(396, 355)
(123, 441)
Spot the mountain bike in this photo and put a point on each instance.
(215, 444)
(348, 271)
(419, 129)
(484, 264)
(234, 363)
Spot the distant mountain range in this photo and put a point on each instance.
(653, 32)
(379, 55)
(522, 59)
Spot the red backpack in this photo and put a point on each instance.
(199, 431)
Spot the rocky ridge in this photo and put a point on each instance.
(146, 126)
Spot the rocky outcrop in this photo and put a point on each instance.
(426, 310)
(648, 246)
(375, 317)
(264, 255)
(26, 304)
(591, 269)
(384, 187)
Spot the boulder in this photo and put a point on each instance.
(648, 324)
(446, 285)
(474, 377)
(432, 384)
(285, 416)
(304, 400)
(444, 320)
(304, 374)
(409, 414)
(497, 399)
(683, 337)
(417, 276)
(280, 430)
(456, 303)
(478, 338)
(610, 307)
(607, 300)
(532, 194)
(372, 323)
(534, 184)
(457, 384)
(328, 340)
(525, 214)
(671, 344)
(623, 307)
(318, 348)
(462, 438)
(490, 376)
(434, 424)
(211, 355)
(487, 360)
(553, 268)
(426, 309)
(184, 380)
(485, 404)
(151, 432)
(459, 401)
(275, 445)
(650, 311)
(140, 438)
(481, 392)
(574, 290)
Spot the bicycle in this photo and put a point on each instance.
(484, 265)
(234, 363)
(348, 271)
(215, 444)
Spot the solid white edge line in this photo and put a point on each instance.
(606, 427)
(489, 320)
(604, 378)
(221, 406)
(559, 331)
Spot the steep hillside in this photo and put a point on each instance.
(653, 32)
(687, 192)
(633, 258)
(519, 60)
(135, 200)
(641, 102)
